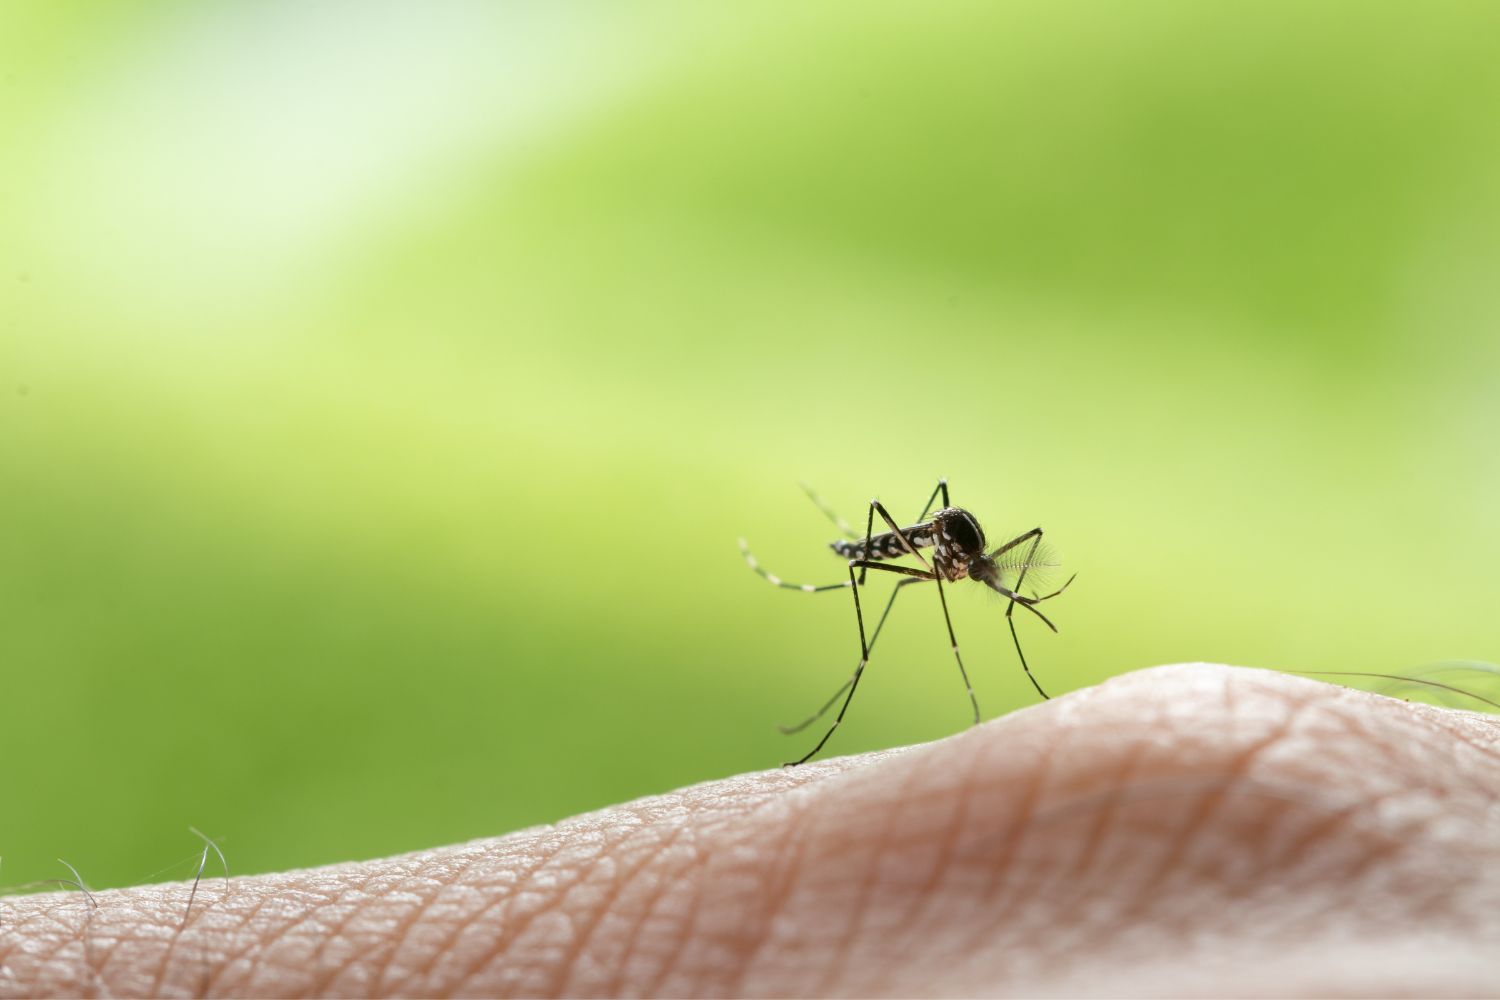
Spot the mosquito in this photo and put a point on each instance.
(958, 547)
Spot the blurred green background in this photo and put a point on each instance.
(383, 386)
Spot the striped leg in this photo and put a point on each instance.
(874, 637)
(1010, 619)
(952, 639)
(973, 701)
(864, 649)
(942, 487)
(942, 597)
(915, 576)
(828, 512)
(772, 578)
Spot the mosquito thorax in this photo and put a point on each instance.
(958, 533)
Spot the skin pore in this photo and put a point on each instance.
(1189, 830)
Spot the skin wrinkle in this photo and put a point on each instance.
(1015, 836)
(66, 934)
(158, 983)
(382, 953)
(1155, 901)
(1104, 822)
(719, 937)
(1422, 728)
(693, 873)
(566, 974)
(839, 962)
(166, 960)
(923, 793)
(340, 927)
(421, 970)
(346, 896)
(922, 898)
(407, 929)
(959, 864)
(1460, 724)
(506, 935)
(1207, 800)
(1379, 849)
(671, 883)
(1034, 823)
(641, 815)
(539, 859)
(648, 911)
(242, 952)
(692, 801)
(712, 859)
(670, 964)
(733, 857)
(1238, 768)
(1459, 753)
(1375, 825)
(788, 862)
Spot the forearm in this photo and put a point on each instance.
(1187, 829)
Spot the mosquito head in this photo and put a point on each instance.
(983, 569)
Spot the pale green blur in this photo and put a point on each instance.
(383, 388)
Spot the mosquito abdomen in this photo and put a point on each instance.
(884, 546)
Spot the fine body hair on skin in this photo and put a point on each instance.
(87, 960)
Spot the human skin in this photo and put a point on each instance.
(1190, 830)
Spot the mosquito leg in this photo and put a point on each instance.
(920, 574)
(864, 648)
(1036, 539)
(942, 487)
(954, 642)
(869, 536)
(828, 512)
(1024, 665)
(772, 578)
(1059, 590)
(1026, 602)
(874, 637)
(1019, 539)
(864, 657)
(930, 575)
(877, 507)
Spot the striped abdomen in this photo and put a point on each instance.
(885, 546)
